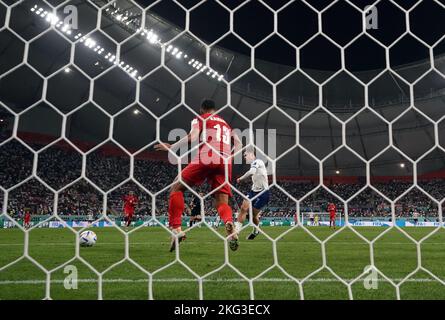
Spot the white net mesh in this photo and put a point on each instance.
(100, 39)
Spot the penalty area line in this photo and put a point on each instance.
(322, 280)
(55, 244)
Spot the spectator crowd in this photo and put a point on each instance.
(107, 176)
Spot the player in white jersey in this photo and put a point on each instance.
(311, 218)
(415, 217)
(217, 221)
(259, 192)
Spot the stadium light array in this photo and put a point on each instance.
(126, 19)
(89, 42)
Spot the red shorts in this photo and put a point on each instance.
(129, 212)
(195, 173)
(332, 216)
(27, 221)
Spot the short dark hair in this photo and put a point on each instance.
(208, 105)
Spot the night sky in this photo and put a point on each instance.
(298, 23)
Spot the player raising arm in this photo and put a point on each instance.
(207, 165)
(260, 190)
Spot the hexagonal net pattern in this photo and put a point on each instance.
(183, 59)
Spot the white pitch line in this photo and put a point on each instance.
(216, 242)
(235, 280)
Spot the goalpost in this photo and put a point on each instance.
(316, 219)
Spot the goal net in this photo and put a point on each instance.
(342, 101)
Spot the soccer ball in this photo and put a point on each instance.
(88, 239)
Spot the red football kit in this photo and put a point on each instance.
(27, 217)
(208, 164)
(130, 204)
(332, 211)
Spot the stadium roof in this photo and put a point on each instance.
(251, 95)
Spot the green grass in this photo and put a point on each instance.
(298, 253)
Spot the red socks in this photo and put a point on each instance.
(175, 209)
(225, 212)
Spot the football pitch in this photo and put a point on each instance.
(153, 272)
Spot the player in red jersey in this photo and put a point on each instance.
(130, 202)
(207, 165)
(332, 209)
(27, 220)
